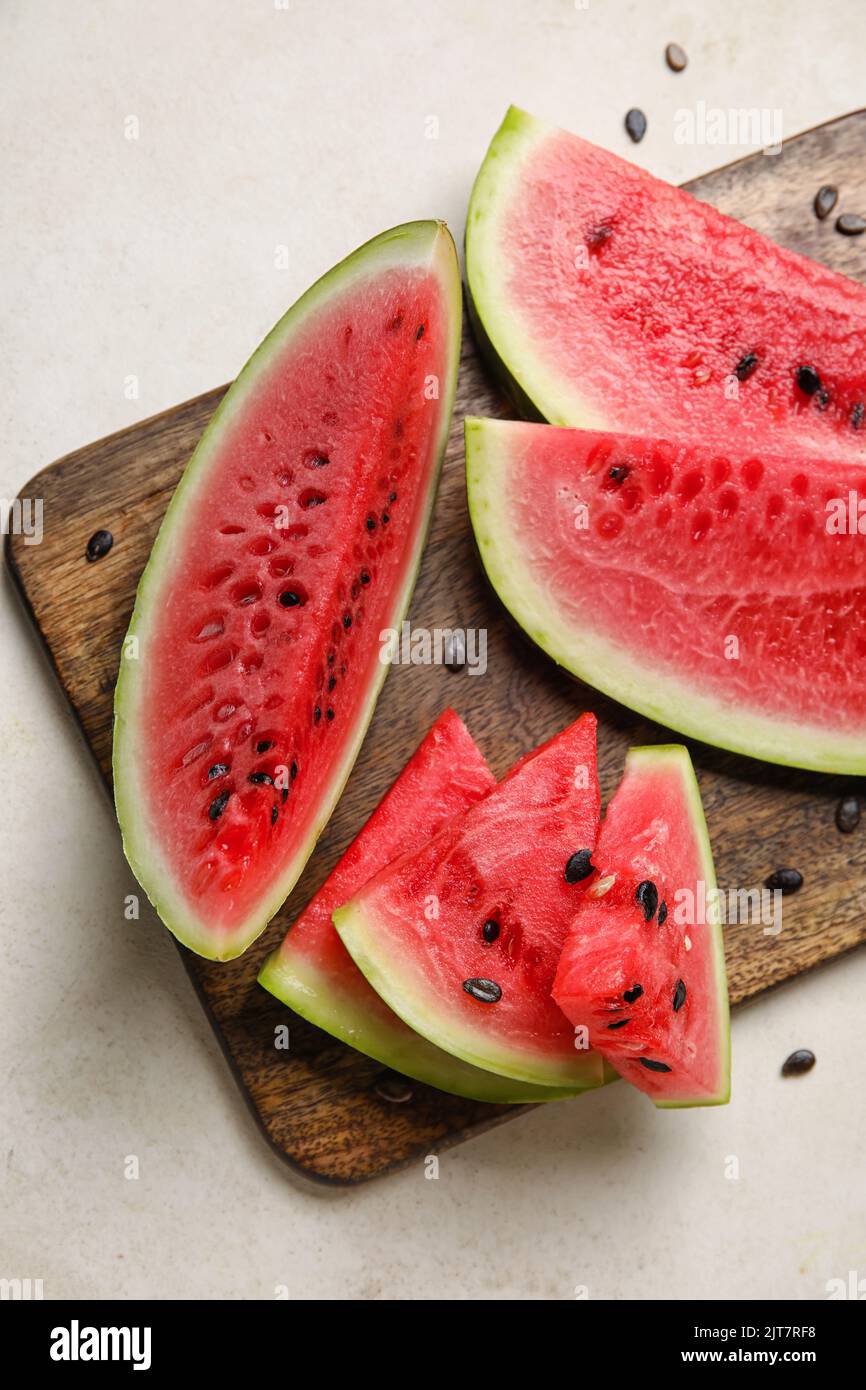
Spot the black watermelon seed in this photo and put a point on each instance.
(99, 544)
(675, 57)
(218, 805)
(635, 124)
(392, 497)
(419, 332)
(371, 523)
(285, 793)
(385, 518)
(825, 200)
(289, 599)
(808, 380)
(746, 366)
(490, 930)
(275, 811)
(857, 415)
(618, 474)
(663, 912)
(319, 461)
(679, 996)
(653, 1066)
(823, 399)
(579, 866)
(799, 1062)
(784, 880)
(364, 576)
(332, 681)
(485, 991)
(317, 714)
(620, 1023)
(293, 771)
(851, 224)
(329, 712)
(647, 896)
(848, 814)
(261, 779)
(347, 621)
(631, 996)
(218, 770)
(264, 745)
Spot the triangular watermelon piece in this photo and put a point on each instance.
(643, 968)
(315, 975)
(462, 937)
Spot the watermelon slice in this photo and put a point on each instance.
(697, 585)
(644, 965)
(313, 972)
(462, 937)
(615, 301)
(251, 666)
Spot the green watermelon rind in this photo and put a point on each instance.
(415, 243)
(612, 669)
(664, 755)
(356, 931)
(537, 391)
(316, 997)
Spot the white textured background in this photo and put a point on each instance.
(305, 127)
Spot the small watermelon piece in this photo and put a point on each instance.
(251, 666)
(644, 964)
(614, 301)
(313, 972)
(697, 585)
(462, 938)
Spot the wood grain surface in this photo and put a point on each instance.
(324, 1107)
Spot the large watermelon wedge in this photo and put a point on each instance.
(462, 938)
(644, 965)
(615, 301)
(313, 972)
(251, 667)
(697, 585)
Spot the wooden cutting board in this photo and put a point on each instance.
(327, 1110)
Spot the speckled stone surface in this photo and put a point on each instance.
(139, 271)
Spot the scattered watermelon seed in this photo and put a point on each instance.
(631, 996)
(317, 714)
(784, 880)
(218, 770)
(485, 991)
(364, 577)
(808, 380)
(663, 912)
(851, 224)
(319, 461)
(679, 996)
(347, 621)
(285, 794)
(647, 895)
(332, 681)
(618, 474)
(635, 124)
(823, 399)
(687, 942)
(653, 1066)
(371, 523)
(385, 518)
(579, 866)
(490, 930)
(289, 599)
(99, 544)
(293, 771)
(329, 712)
(218, 805)
(848, 814)
(620, 1023)
(799, 1062)
(825, 200)
(264, 745)
(419, 332)
(746, 366)
(857, 415)
(601, 886)
(675, 57)
(262, 779)
(275, 811)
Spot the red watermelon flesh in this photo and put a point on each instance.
(462, 938)
(616, 301)
(313, 972)
(643, 967)
(292, 540)
(709, 588)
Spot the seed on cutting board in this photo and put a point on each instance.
(799, 1062)
(825, 200)
(784, 881)
(679, 996)
(490, 930)
(632, 995)
(848, 814)
(485, 991)
(653, 1066)
(99, 544)
(647, 896)
(579, 866)
(635, 124)
(218, 805)
(851, 224)
(746, 366)
(676, 57)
